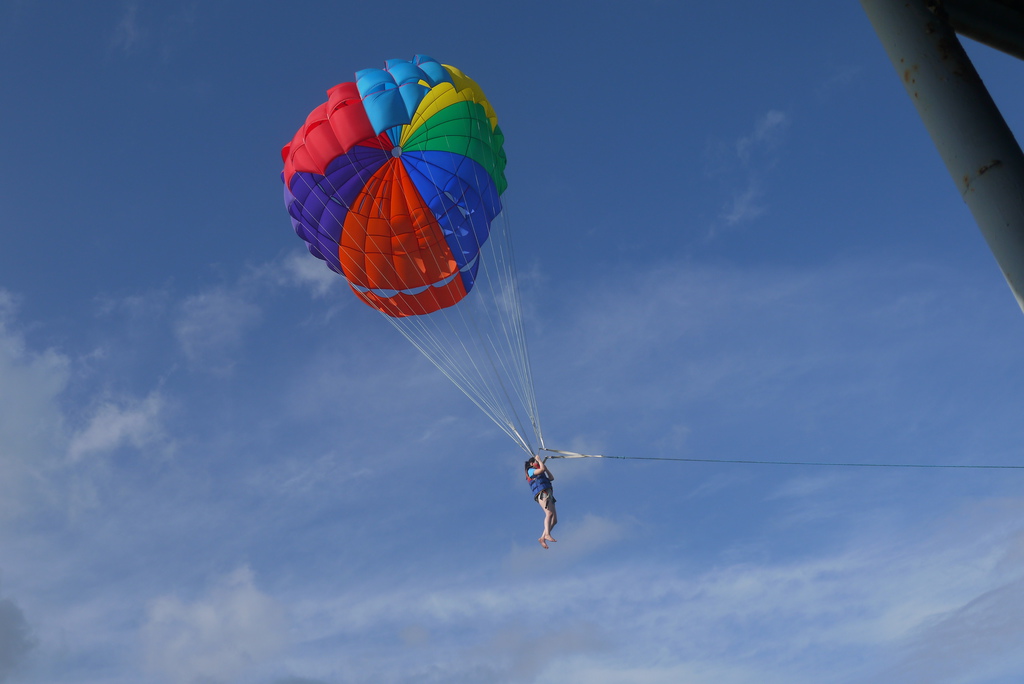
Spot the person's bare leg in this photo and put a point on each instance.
(550, 520)
(546, 534)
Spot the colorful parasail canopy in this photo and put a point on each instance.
(394, 183)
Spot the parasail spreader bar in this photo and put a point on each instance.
(962, 466)
(569, 454)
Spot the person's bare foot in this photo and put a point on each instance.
(543, 543)
(550, 538)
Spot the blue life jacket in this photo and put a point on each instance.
(538, 483)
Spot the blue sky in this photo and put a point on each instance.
(735, 241)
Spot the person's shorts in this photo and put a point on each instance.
(544, 498)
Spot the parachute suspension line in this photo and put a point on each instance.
(469, 379)
(483, 394)
(475, 396)
(523, 346)
(458, 356)
(518, 339)
(555, 453)
(520, 388)
(416, 330)
(483, 346)
(502, 353)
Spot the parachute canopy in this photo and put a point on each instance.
(397, 183)
(394, 182)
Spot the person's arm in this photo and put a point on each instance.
(541, 468)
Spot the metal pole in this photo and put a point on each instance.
(996, 23)
(965, 125)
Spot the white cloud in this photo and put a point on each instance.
(594, 532)
(887, 601)
(577, 539)
(717, 624)
(745, 165)
(220, 637)
(15, 638)
(697, 332)
(127, 32)
(304, 270)
(135, 423)
(31, 422)
(744, 206)
(211, 326)
(766, 136)
(975, 637)
(840, 79)
(803, 486)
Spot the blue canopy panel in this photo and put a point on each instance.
(392, 94)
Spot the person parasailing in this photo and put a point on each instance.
(540, 479)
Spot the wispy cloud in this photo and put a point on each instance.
(215, 638)
(306, 271)
(729, 619)
(971, 638)
(581, 538)
(841, 78)
(744, 206)
(165, 32)
(127, 32)
(113, 424)
(32, 431)
(212, 325)
(745, 164)
(843, 614)
(759, 341)
(16, 640)
(765, 138)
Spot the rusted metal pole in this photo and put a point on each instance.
(965, 125)
(996, 23)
